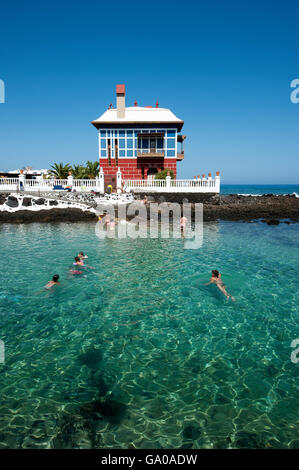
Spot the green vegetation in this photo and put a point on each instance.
(161, 175)
(61, 171)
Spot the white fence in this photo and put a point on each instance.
(16, 184)
(199, 185)
(205, 185)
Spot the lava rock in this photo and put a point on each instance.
(91, 358)
(12, 201)
(27, 201)
(40, 201)
(191, 432)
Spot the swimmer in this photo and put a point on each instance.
(78, 261)
(216, 279)
(183, 222)
(81, 255)
(54, 282)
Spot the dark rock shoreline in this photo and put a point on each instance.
(53, 215)
(215, 207)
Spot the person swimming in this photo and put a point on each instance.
(81, 255)
(216, 279)
(54, 282)
(78, 261)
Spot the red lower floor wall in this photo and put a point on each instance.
(132, 168)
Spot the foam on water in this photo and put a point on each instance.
(139, 352)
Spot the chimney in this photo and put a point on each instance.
(121, 101)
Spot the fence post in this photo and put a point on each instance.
(22, 183)
(118, 181)
(100, 181)
(168, 180)
(217, 182)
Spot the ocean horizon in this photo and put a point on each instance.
(260, 189)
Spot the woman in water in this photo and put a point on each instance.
(216, 279)
(78, 261)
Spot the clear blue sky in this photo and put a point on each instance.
(224, 67)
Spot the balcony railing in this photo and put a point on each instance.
(159, 153)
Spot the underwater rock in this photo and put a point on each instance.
(74, 432)
(273, 222)
(109, 410)
(91, 358)
(246, 440)
(191, 431)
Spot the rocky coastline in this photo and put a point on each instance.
(270, 208)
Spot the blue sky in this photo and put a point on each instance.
(223, 67)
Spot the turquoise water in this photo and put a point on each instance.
(138, 353)
(259, 189)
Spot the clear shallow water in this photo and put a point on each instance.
(139, 353)
(259, 189)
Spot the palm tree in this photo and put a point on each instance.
(92, 169)
(60, 171)
(79, 172)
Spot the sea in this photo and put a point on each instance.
(137, 352)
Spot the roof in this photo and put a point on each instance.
(139, 115)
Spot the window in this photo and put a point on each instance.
(171, 143)
(109, 152)
(103, 153)
(129, 143)
(144, 143)
(103, 143)
(103, 133)
(160, 143)
(170, 153)
(170, 133)
(122, 143)
(116, 152)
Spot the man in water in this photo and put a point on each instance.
(54, 282)
(82, 256)
(216, 279)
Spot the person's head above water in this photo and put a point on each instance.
(215, 273)
(77, 259)
(55, 277)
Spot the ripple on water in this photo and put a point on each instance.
(138, 353)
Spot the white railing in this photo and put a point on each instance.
(15, 184)
(149, 183)
(204, 185)
(209, 185)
